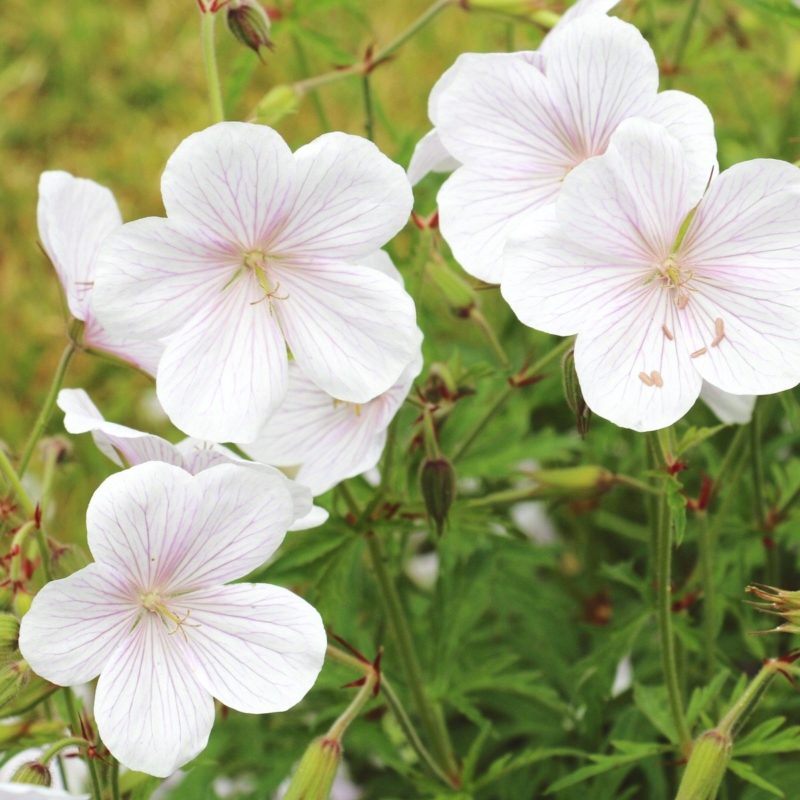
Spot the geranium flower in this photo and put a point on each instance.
(27, 791)
(430, 154)
(75, 770)
(74, 216)
(322, 440)
(663, 288)
(520, 122)
(261, 249)
(153, 618)
(128, 447)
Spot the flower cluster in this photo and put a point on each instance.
(594, 201)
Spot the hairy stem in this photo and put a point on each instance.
(207, 22)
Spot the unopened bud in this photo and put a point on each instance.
(21, 604)
(706, 768)
(250, 24)
(588, 479)
(58, 448)
(316, 771)
(33, 772)
(573, 393)
(438, 485)
(532, 9)
(9, 634)
(459, 294)
(276, 104)
(13, 677)
(780, 603)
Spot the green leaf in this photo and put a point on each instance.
(508, 762)
(747, 773)
(677, 506)
(652, 702)
(702, 698)
(695, 436)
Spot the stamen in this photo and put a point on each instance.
(698, 353)
(682, 300)
(655, 375)
(667, 332)
(646, 379)
(719, 330)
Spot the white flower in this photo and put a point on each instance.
(75, 215)
(520, 122)
(623, 677)
(732, 409)
(664, 295)
(76, 775)
(263, 249)
(154, 619)
(27, 791)
(128, 447)
(322, 439)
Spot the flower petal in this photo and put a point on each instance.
(316, 517)
(430, 155)
(27, 791)
(223, 374)
(75, 623)
(631, 202)
(351, 329)
(154, 274)
(688, 119)
(257, 648)
(732, 409)
(144, 354)
(351, 200)
(242, 514)
(199, 454)
(117, 442)
(235, 179)
(601, 71)
(74, 216)
(555, 285)
(747, 228)
(151, 712)
(631, 372)
(479, 206)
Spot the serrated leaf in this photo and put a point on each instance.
(695, 436)
(677, 506)
(702, 697)
(747, 773)
(509, 763)
(652, 702)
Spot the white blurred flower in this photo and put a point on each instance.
(532, 519)
(623, 677)
(154, 618)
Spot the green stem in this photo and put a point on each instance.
(207, 22)
(344, 720)
(75, 724)
(115, 790)
(362, 68)
(10, 474)
(683, 39)
(477, 317)
(663, 575)
(369, 114)
(430, 717)
(747, 701)
(709, 592)
(758, 467)
(502, 398)
(49, 403)
(316, 101)
(62, 744)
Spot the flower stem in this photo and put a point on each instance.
(663, 577)
(429, 715)
(343, 721)
(477, 317)
(207, 22)
(10, 474)
(77, 730)
(369, 113)
(683, 39)
(709, 593)
(502, 398)
(364, 67)
(62, 744)
(50, 401)
(747, 701)
(115, 792)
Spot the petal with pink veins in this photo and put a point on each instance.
(74, 216)
(430, 155)
(351, 200)
(351, 329)
(630, 371)
(235, 339)
(257, 648)
(234, 179)
(151, 712)
(75, 623)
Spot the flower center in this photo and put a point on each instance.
(154, 603)
(676, 279)
(256, 262)
(356, 408)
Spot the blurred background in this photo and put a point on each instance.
(106, 90)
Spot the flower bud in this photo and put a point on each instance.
(459, 294)
(588, 479)
(316, 771)
(58, 448)
(13, 677)
(438, 485)
(276, 104)
(706, 767)
(21, 603)
(573, 393)
(9, 634)
(532, 9)
(33, 772)
(781, 603)
(250, 24)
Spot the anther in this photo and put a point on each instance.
(655, 376)
(719, 331)
(698, 353)
(667, 332)
(682, 300)
(646, 379)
